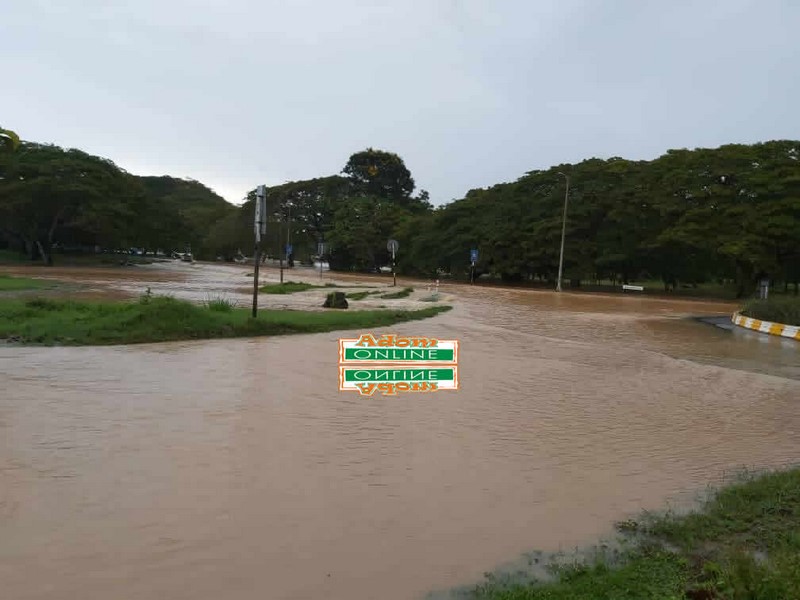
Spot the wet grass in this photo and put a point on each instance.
(157, 319)
(16, 284)
(780, 309)
(361, 295)
(404, 293)
(742, 543)
(290, 287)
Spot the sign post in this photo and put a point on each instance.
(392, 247)
(259, 227)
(473, 258)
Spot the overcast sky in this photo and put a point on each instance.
(469, 93)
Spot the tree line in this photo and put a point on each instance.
(687, 217)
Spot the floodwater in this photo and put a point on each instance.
(235, 469)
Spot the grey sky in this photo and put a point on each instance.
(470, 93)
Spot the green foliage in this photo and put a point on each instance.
(288, 287)
(50, 195)
(360, 295)
(380, 174)
(784, 310)
(9, 141)
(9, 283)
(721, 217)
(220, 304)
(51, 322)
(335, 300)
(53, 197)
(185, 214)
(688, 217)
(742, 544)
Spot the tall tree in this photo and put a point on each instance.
(380, 174)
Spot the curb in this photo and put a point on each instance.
(787, 331)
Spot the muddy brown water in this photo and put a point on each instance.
(235, 469)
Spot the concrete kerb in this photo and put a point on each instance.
(779, 329)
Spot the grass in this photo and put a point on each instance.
(360, 295)
(742, 543)
(158, 319)
(290, 287)
(785, 309)
(15, 284)
(404, 293)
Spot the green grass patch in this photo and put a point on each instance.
(9, 283)
(360, 295)
(288, 287)
(158, 319)
(781, 309)
(404, 293)
(742, 543)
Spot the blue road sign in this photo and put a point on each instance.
(288, 248)
(473, 255)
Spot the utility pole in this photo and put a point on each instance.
(563, 233)
(259, 225)
(289, 237)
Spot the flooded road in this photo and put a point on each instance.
(235, 469)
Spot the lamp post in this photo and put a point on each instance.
(563, 233)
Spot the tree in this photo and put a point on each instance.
(380, 174)
(49, 194)
(9, 141)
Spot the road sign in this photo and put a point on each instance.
(288, 249)
(321, 248)
(260, 221)
(392, 246)
(473, 256)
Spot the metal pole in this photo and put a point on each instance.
(260, 206)
(255, 279)
(563, 233)
(288, 232)
(280, 250)
(394, 270)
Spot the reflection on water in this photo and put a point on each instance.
(235, 469)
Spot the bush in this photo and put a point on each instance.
(335, 300)
(784, 310)
(220, 304)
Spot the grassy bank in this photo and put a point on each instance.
(16, 284)
(743, 543)
(158, 319)
(784, 310)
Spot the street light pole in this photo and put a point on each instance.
(563, 233)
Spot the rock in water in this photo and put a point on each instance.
(335, 300)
